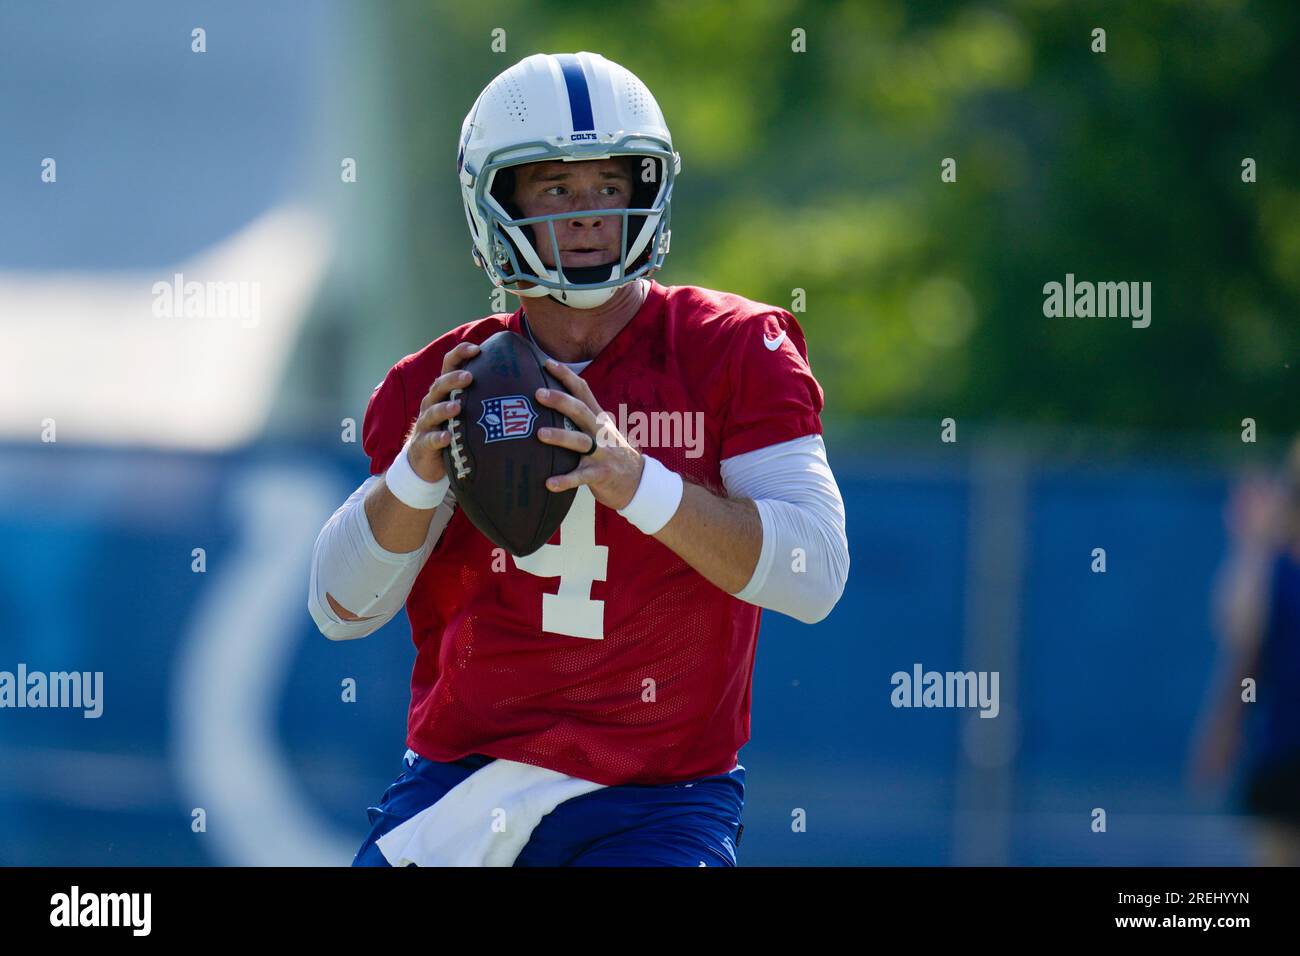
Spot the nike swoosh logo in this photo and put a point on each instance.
(773, 344)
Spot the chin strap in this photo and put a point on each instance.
(583, 298)
(580, 298)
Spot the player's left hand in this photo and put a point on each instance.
(613, 470)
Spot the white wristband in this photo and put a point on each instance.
(412, 490)
(657, 497)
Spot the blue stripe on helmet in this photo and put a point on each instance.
(579, 95)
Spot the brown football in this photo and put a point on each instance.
(495, 462)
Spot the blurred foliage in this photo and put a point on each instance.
(821, 170)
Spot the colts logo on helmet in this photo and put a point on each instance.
(510, 416)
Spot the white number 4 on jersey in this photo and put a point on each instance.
(577, 561)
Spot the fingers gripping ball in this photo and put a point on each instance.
(495, 462)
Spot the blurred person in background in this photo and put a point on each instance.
(1258, 612)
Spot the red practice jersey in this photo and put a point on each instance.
(604, 655)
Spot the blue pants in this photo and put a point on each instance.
(683, 824)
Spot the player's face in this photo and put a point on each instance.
(555, 186)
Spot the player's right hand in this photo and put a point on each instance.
(429, 436)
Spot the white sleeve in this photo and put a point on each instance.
(349, 564)
(804, 562)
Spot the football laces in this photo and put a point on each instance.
(457, 448)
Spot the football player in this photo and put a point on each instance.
(586, 704)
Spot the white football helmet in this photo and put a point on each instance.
(570, 107)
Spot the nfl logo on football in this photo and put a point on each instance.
(510, 416)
